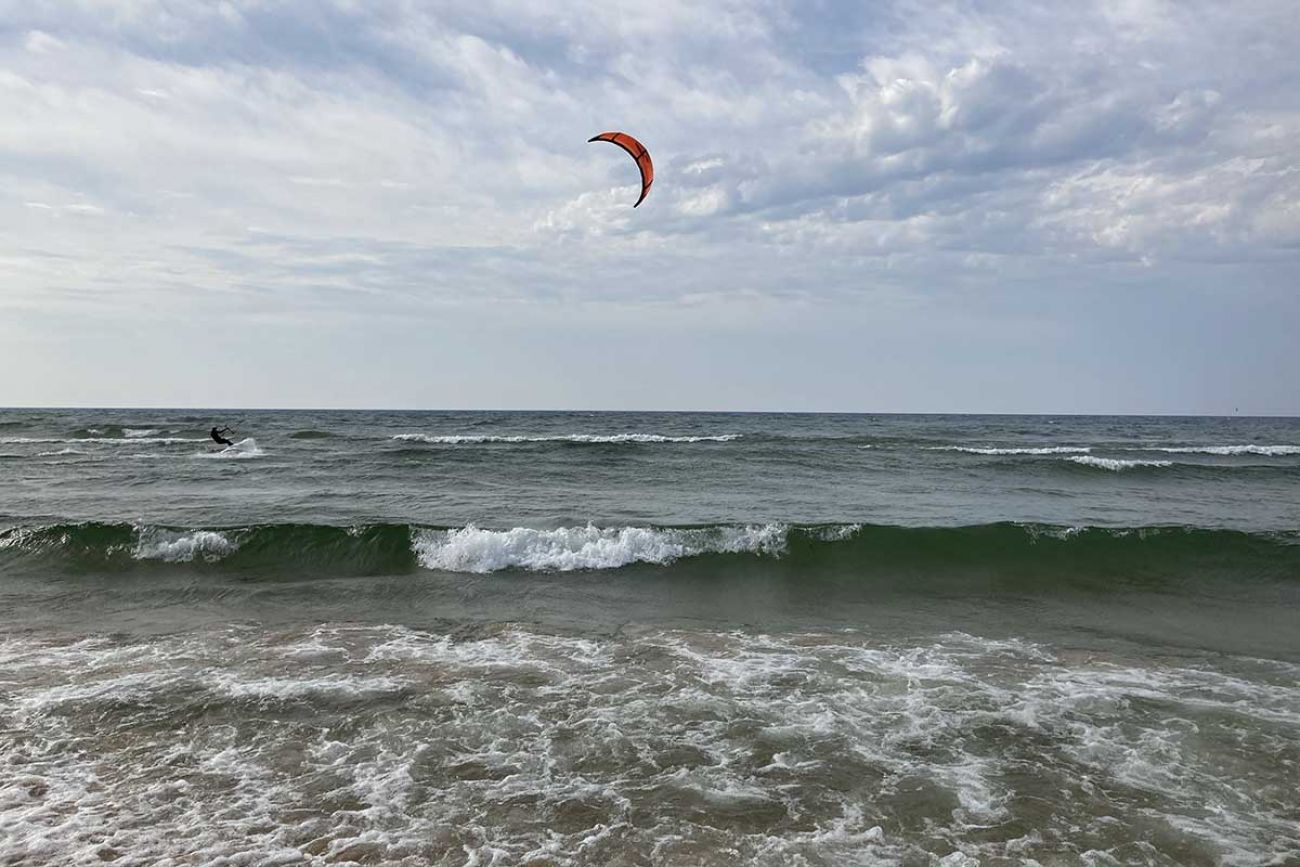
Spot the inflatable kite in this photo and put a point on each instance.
(638, 152)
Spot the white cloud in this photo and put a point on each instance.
(408, 157)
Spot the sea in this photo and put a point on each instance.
(642, 638)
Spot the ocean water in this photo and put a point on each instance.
(491, 638)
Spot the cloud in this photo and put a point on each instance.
(395, 159)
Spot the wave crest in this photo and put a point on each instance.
(130, 441)
(566, 549)
(1116, 465)
(589, 439)
(1026, 450)
(1268, 451)
(173, 546)
(997, 556)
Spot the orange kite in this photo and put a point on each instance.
(638, 152)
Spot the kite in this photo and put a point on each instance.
(638, 152)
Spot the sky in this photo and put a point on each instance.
(904, 206)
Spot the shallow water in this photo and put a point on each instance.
(394, 745)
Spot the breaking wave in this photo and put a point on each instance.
(478, 439)
(1035, 450)
(1267, 451)
(568, 548)
(1034, 555)
(131, 440)
(1116, 465)
(176, 546)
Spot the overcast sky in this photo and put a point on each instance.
(887, 206)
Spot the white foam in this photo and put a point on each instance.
(182, 547)
(507, 745)
(1269, 451)
(18, 537)
(568, 548)
(166, 441)
(1116, 464)
(476, 439)
(102, 440)
(242, 450)
(67, 451)
(136, 433)
(342, 686)
(1027, 450)
(112, 687)
(836, 533)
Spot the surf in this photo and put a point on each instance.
(241, 450)
(578, 438)
(1009, 553)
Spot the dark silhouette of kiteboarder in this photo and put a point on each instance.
(218, 438)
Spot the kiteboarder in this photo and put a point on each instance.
(218, 438)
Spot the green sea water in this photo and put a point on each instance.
(648, 638)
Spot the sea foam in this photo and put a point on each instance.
(418, 747)
(245, 448)
(471, 549)
(1027, 450)
(1270, 451)
(476, 439)
(1115, 464)
(182, 547)
(133, 440)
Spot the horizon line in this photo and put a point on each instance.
(90, 408)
